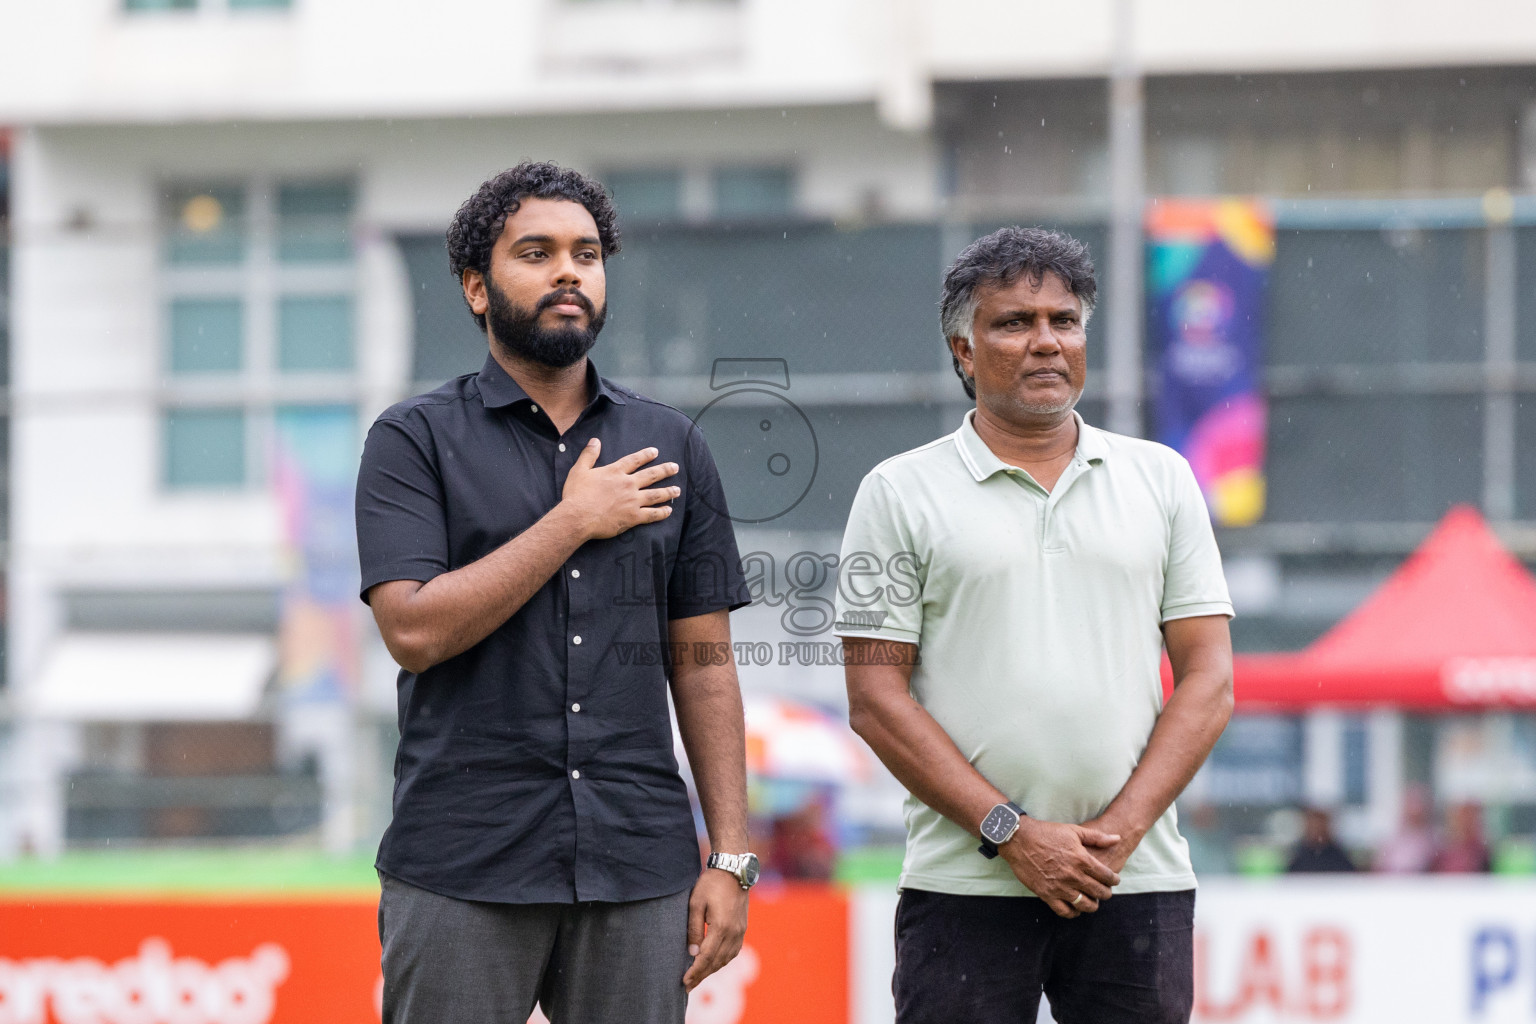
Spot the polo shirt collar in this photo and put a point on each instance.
(498, 390)
(982, 463)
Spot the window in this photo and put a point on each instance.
(314, 222)
(258, 281)
(647, 195)
(662, 196)
(747, 192)
(204, 448)
(205, 335)
(207, 226)
(314, 333)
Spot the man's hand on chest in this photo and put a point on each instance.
(607, 500)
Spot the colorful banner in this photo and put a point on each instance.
(315, 472)
(122, 960)
(1360, 949)
(1208, 268)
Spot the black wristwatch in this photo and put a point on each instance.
(998, 827)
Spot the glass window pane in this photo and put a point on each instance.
(1525, 292)
(205, 335)
(445, 342)
(314, 222)
(205, 225)
(1258, 761)
(793, 468)
(1356, 760)
(647, 195)
(825, 300)
(1380, 459)
(753, 192)
(204, 448)
(314, 333)
(1376, 297)
(1525, 456)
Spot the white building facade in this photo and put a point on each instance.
(226, 213)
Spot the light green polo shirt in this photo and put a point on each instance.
(1037, 616)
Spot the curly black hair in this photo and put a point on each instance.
(479, 221)
(999, 258)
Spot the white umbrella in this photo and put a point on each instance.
(791, 741)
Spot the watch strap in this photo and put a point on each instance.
(726, 861)
(734, 864)
(988, 849)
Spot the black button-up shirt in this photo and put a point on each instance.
(537, 766)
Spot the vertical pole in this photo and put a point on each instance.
(1499, 366)
(1323, 751)
(955, 232)
(1384, 781)
(1127, 165)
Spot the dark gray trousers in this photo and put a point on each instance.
(451, 961)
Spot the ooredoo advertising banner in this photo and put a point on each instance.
(123, 961)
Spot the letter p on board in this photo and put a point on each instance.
(1495, 960)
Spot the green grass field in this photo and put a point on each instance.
(270, 872)
(243, 872)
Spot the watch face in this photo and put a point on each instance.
(999, 824)
(749, 870)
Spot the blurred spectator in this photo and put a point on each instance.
(1318, 851)
(1464, 849)
(1208, 852)
(801, 847)
(1411, 850)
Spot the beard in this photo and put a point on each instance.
(517, 329)
(1052, 407)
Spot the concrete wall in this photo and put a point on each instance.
(89, 60)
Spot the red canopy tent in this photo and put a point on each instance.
(1453, 628)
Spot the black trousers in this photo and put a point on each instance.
(986, 960)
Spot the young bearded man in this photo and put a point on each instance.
(522, 530)
(1053, 562)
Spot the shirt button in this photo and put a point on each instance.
(575, 774)
(575, 574)
(576, 640)
(534, 408)
(575, 707)
(562, 446)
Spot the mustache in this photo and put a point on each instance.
(573, 296)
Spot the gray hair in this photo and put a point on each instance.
(1000, 258)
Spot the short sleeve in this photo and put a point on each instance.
(706, 574)
(402, 527)
(1193, 583)
(880, 571)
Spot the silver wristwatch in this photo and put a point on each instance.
(742, 866)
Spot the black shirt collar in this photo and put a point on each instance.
(498, 390)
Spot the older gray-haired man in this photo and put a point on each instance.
(1055, 561)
